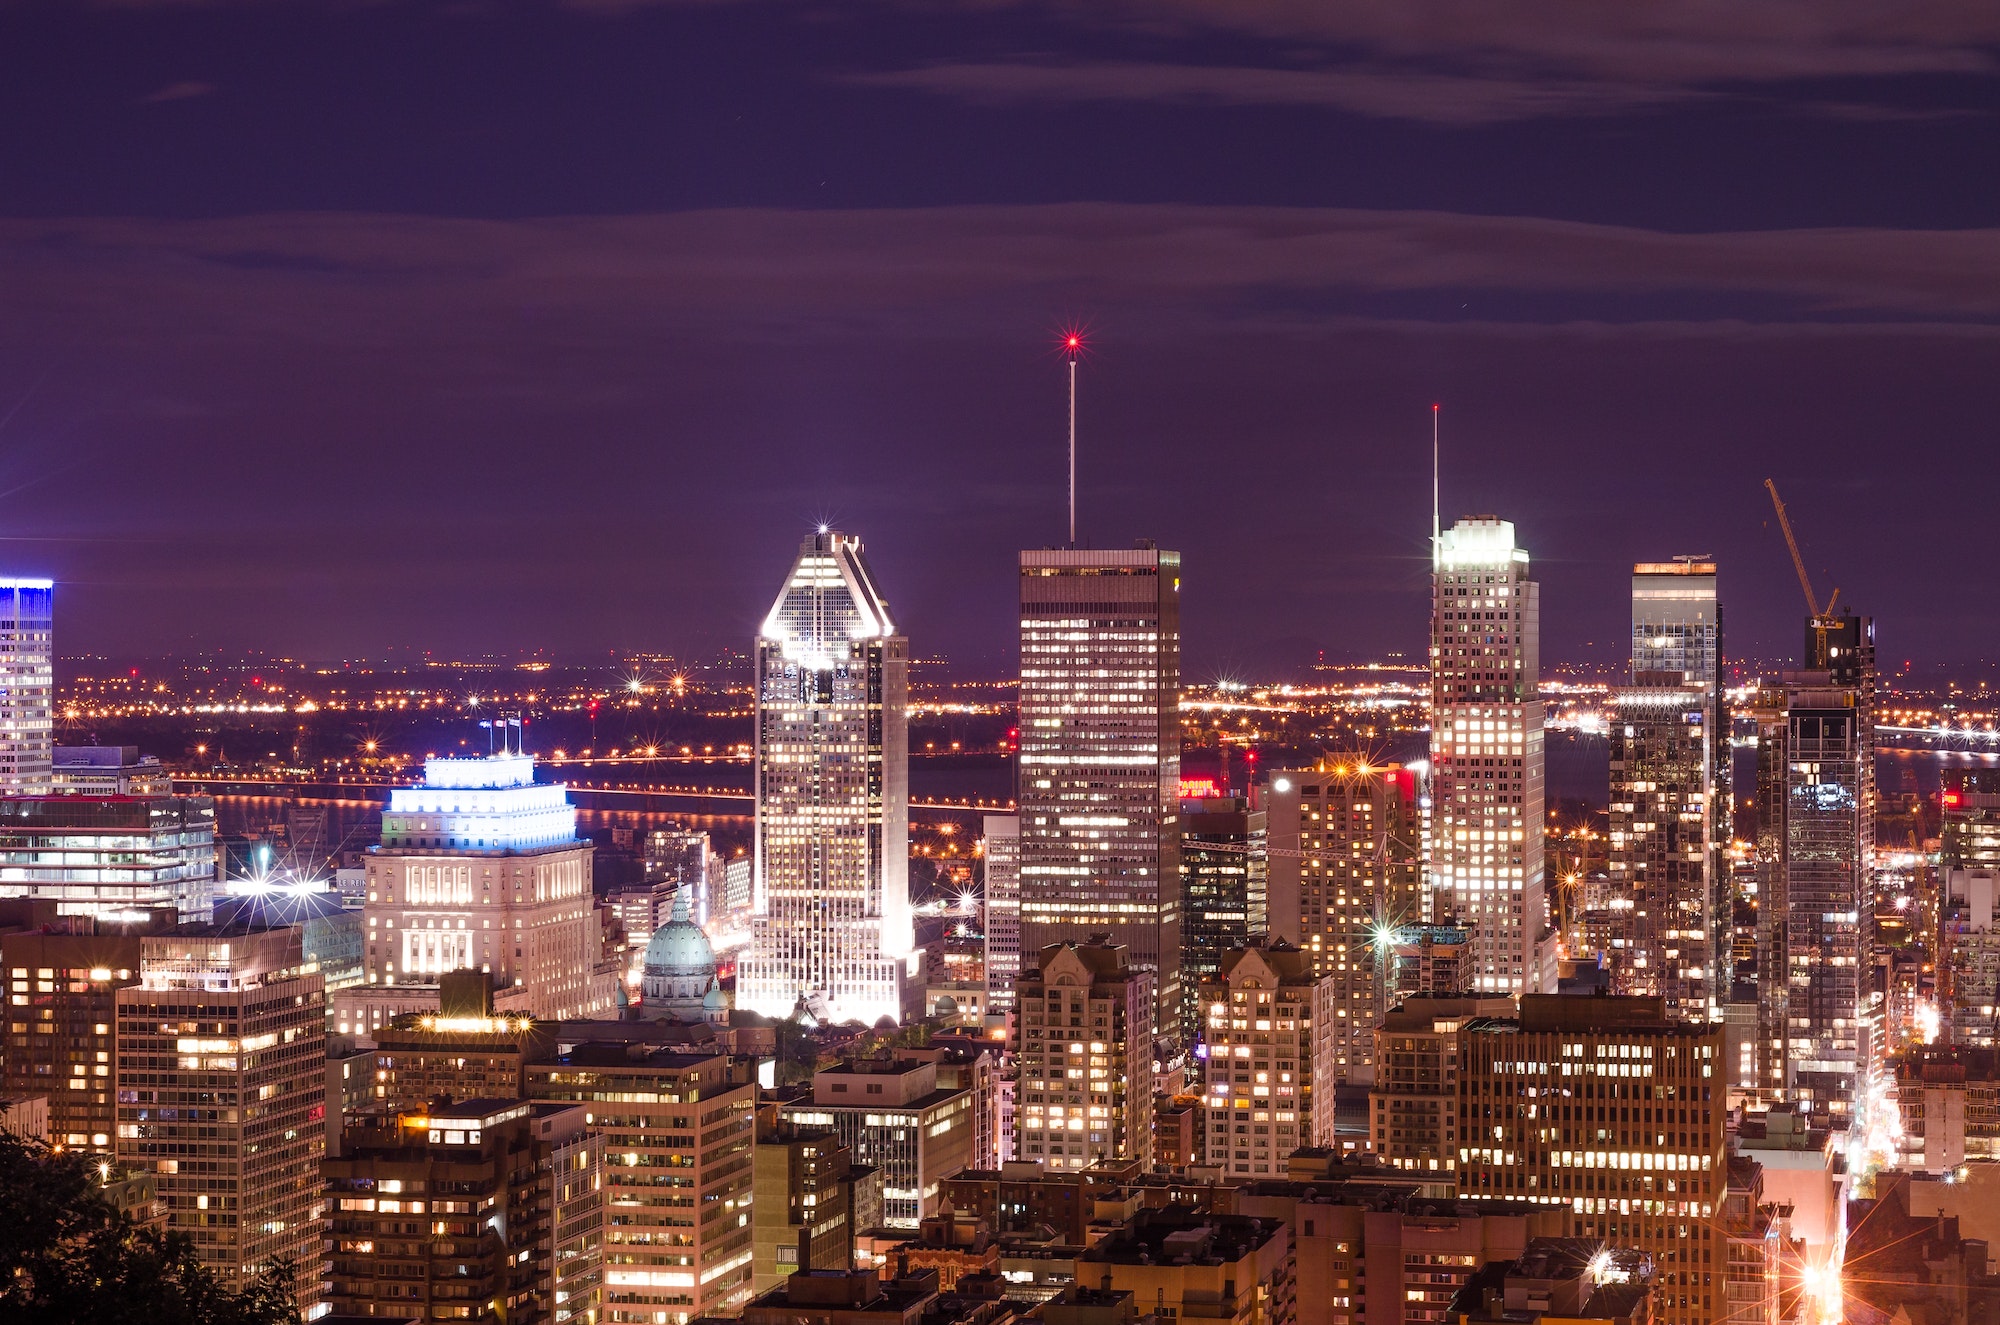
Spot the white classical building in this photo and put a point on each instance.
(480, 869)
(830, 920)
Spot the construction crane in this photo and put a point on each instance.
(1822, 618)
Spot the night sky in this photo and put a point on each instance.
(334, 328)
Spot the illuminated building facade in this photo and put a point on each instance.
(1100, 757)
(221, 1078)
(802, 1213)
(1815, 833)
(1428, 959)
(1225, 897)
(1486, 754)
(1347, 866)
(898, 1116)
(678, 1133)
(1267, 1027)
(108, 770)
(60, 1041)
(1413, 1105)
(1002, 901)
(1969, 835)
(1609, 1108)
(110, 856)
(508, 1194)
(480, 869)
(1669, 939)
(1677, 629)
(1084, 1049)
(420, 1057)
(27, 685)
(831, 919)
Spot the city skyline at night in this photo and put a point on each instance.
(1242, 808)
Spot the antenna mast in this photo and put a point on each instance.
(1436, 532)
(1072, 348)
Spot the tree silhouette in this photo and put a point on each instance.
(67, 1257)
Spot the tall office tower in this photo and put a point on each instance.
(1677, 629)
(508, 1193)
(27, 685)
(1224, 892)
(1101, 757)
(1266, 1022)
(1815, 832)
(480, 869)
(678, 1131)
(1486, 754)
(62, 992)
(1003, 909)
(1083, 1040)
(1614, 1109)
(221, 1077)
(832, 920)
(1669, 939)
(1346, 872)
(110, 856)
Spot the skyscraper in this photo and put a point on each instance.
(234, 1024)
(1348, 862)
(480, 869)
(27, 685)
(1668, 941)
(1670, 802)
(1224, 900)
(832, 919)
(1003, 908)
(1815, 830)
(1100, 756)
(1486, 754)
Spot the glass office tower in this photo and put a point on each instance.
(1100, 757)
(831, 903)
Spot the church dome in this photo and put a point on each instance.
(680, 965)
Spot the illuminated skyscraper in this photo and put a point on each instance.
(1670, 796)
(1486, 754)
(1815, 832)
(235, 1024)
(1100, 757)
(1225, 902)
(831, 921)
(1347, 839)
(1003, 908)
(480, 869)
(1666, 937)
(27, 685)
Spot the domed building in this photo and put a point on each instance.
(680, 968)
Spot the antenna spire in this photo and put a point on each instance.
(1072, 446)
(1072, 350)
(1436, 531)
